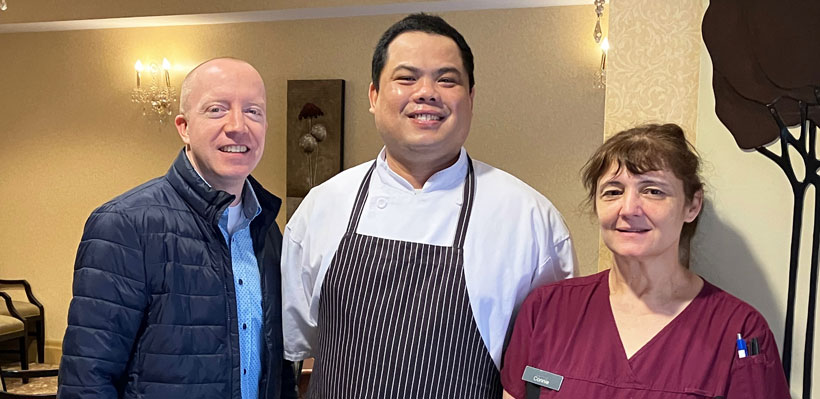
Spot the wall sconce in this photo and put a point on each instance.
(156, 97)
(3, 5)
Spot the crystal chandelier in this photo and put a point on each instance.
(155, 97)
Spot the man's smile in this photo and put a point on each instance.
(234, 148)
(426, 117)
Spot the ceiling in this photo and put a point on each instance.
(56, 15)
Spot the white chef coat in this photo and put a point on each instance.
(516, 241)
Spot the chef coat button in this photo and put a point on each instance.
(381, 202)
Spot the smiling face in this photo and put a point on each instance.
(423, 107)
(224, 123)
(641, 216)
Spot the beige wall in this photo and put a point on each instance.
(653, 63)
(72, 140)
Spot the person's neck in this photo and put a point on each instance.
(418, 171)
(656, 281)
(233, 188)
(237, 199)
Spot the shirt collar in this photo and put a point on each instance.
(250, 208)
(446, 178)
(250, 204)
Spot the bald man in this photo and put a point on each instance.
(176, 282)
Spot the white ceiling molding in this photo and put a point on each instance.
(283, 15)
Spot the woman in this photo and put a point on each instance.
(649, 327)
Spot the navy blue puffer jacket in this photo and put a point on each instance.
(154, 310)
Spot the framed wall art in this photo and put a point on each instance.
(315, 123)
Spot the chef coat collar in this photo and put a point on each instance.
(444, 179)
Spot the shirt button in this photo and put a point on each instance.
(240, 281)
(244, 326)
(381, 202)
(244, 371)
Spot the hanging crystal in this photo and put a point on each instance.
(599, 11)
(598, 34)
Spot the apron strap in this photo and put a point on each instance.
(533, 391)
(361, 198)
(466, 206)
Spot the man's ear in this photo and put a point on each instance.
(182, 128)
(373, 94)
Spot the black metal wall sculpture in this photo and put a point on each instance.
(766, 58)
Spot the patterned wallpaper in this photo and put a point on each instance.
(653, 63)
(652, 68)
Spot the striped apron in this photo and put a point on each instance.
(395, 319)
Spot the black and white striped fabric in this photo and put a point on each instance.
(395, 320)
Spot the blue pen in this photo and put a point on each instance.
(741, 347)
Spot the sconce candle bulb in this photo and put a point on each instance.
(138, 68)
(604, 51)
(165, 67)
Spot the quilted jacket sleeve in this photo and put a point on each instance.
(107, 309)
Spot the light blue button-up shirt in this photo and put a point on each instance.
(248, 291)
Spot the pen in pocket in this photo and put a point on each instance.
(754, 347)
(741, 347)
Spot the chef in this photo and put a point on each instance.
(401, 275)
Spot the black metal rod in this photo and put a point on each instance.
(799, 191)
(807, 355)
(794, 257)
(812, 178)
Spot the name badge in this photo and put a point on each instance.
(543, 378)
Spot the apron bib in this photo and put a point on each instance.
(395, 319)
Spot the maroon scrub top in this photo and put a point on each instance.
(567, 328)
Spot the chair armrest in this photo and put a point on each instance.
(10, 306)
(29, 373)
(27, 287)
(6, 395)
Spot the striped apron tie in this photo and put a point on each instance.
(395, 319)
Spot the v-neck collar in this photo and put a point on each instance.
(659, 336)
